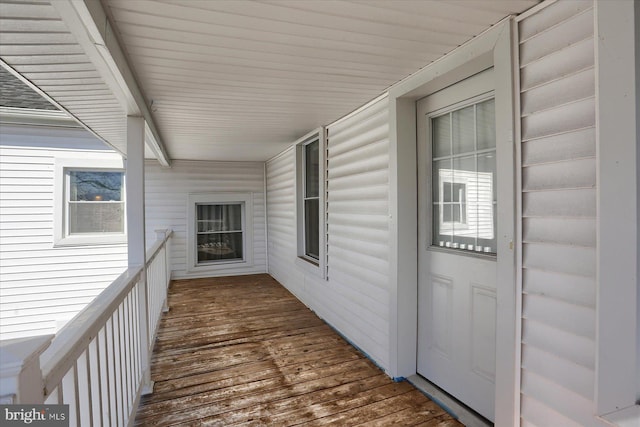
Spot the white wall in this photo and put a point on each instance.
(167, 191)
(43, 286)
(355, 296)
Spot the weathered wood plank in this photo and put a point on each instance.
(243, 351)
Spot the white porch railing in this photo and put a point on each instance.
(98, 363)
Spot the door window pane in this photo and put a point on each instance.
(463, 127)
(485, 124)
(464, 182)
(487, 200)
(441, 135)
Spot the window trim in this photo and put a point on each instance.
(61, 187)
(219, 198)
(304, 261)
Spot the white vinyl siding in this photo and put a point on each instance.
(166, 197)
(281, 222)
(557, 100)
(354, 298)
(42, 286)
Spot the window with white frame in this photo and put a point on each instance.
(90, 201)
(310, 198)
(220, 234)
(95, 202)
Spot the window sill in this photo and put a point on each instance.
(219, 266)
(92, 240)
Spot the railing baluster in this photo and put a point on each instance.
(83, 389)
(133, 380)
(124, 360)
(138, 344)
(95, 398)
(103, 376)
(76, 394)
(118, 365)
(111, 369)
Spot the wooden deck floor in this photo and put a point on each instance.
(244, 351)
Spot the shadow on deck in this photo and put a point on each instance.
(244, 351)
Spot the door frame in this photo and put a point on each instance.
(493, 48)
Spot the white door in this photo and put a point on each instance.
(457, 241)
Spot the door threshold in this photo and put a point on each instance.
(454, 407)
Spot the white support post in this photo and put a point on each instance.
(136, 235)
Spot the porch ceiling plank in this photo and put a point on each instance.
(267, 19)
(55, 68)
(303, 48)
(17, 38)
(254, 355)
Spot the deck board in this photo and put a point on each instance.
(243, 351)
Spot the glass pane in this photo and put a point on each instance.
(219, 247)
(463, 130)
(441, 135)
(95, 186)
(96, 217)
(311, 228)
(486, 199)
(311, 168)
(487, 173)
(440, 237)
(215, 218)
(486, 124)
(441, 173)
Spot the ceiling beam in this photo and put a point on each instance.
(89, 24)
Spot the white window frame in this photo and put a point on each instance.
(317, 267)
(93, 163)
(243, 199)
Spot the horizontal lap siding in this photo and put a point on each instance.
(42, 286)
(559, 215)
(354, 298)
(166, 195)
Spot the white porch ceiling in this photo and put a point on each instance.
(240, 80)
